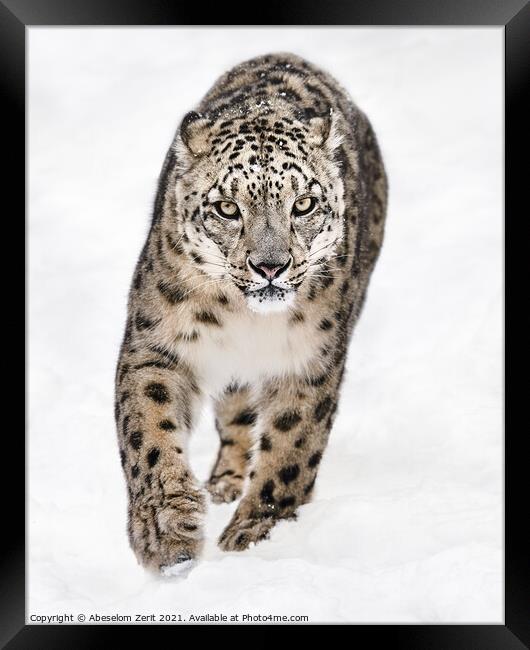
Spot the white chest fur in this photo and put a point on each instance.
(250, 347)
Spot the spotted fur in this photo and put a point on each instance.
(204, 320)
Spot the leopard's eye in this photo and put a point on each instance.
(227, 209)
(304, 206)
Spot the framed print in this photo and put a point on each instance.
(266, 281)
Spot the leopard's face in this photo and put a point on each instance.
(263, 205)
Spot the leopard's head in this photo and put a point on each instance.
(261, 199)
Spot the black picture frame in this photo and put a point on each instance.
(17, 15)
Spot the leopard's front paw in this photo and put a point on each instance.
(167, 535)
(241, 533)
(225, 489)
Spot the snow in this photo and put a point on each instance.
(407, 520)
(179, 570)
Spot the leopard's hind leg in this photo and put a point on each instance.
(234, 418)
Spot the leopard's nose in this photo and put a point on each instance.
(269, 269)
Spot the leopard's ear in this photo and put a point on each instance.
(323, 131)
(194, 131)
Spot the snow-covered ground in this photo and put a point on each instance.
(406, 523)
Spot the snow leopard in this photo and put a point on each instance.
(267, 223)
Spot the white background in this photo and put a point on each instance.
(406, 523)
